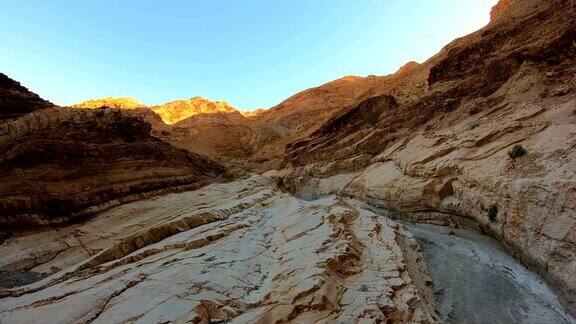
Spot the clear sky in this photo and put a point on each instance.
(251, 53)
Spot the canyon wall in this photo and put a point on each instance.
(443, 157)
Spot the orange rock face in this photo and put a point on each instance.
(110, 102)
(175, 111)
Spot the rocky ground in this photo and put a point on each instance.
(239, 251)
(245, 252)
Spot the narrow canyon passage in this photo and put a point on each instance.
(245, 252)
(419, 186)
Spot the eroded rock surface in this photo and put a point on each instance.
(501, 7)
(241, 252)
(443, 157)
(62, 164)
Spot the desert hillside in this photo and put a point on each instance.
(179, 110)
(442, 193)
(255, 141)
(214, 129)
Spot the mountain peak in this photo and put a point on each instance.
(253, 113)
(171, 112)
(112, 102)
(175, 111)
(411, 65)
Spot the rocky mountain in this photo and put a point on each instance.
(300, 115)
(255, 141)
(16, 100)
(174, 111)
(305, 109)
(211, 128)
(444, 192)
(224, 137)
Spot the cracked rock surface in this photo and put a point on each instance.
(240, 252)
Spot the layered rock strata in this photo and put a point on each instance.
(60, 164)
(444, 159)
(16, 100)
(240, 252)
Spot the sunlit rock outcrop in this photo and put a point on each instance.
(110, 102)
(175, 111)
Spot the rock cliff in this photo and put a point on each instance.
(61, 164)
(16, 100)
(443, 158)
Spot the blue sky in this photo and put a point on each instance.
(251, 53)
